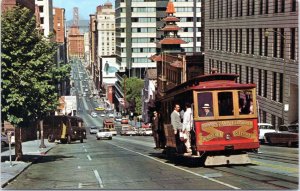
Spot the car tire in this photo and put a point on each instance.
(51, 139)
(110, 138)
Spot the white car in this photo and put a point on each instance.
(148, 132)
(265, 128)
(104, 134)
(111, 115)
(102, 115)
(94, 114)
(93, 130)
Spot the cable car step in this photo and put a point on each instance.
(231, 159)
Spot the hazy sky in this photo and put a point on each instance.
(85, 7)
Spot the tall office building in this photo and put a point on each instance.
(46, 16)
(106, 29)
(137, 37)
(259, 41)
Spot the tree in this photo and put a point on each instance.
(28, 72)
(133, 90)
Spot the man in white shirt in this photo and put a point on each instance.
(187, 125)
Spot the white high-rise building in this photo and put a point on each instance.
(46, 16)
(106, 30)
(137, 31)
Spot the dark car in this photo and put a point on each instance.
(286, 134)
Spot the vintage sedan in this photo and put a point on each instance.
(93, 130)
(263, 129)
(104, 134)
(286, 134)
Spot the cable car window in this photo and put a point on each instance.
(205, 106)
(246, 102)
(225, 103)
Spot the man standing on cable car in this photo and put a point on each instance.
(187, 125)
(176, 123)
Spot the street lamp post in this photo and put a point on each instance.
(284, 67)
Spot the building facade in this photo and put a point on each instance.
(8, 4)
(46, 16)
(106, 30)
(75, 43)
(259, 41)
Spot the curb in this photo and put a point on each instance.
(29, 164)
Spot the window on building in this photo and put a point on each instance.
(247, 74)
(218, 9)
(41, 9)
(273, 119)
(227, 8)
(221, 4)
(241, 7)
(42, 20)
(247, 41)
(264, 116)
(230, 7)
(266, 46)
(229, 68)
(252, 41)
(218, 40)
(230, 40)
(241, 40)
(260, 41)
(210, 38)
(282, 5)
(248, 7)
(261, 7)
(259, 82)
(240, 73)
(253, 7)
(275, 6)
(293, 43)
(275, 44)
(281, 88)
(265, 83)
(237, 9)
(274, 89)
(236, 39)
(226, 42)
(282, 36)
(213, 39)
(294, 5)
(267, 7)
(252, 75)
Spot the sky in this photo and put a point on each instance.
(85, 7)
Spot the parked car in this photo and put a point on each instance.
(94, 114)
(104, 134)
(4, 140)
(148, 132)
(124, 120)
(118, 118)
(93, 130)
(111, 115)
(264, 128)
(286, 134)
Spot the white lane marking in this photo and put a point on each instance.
(79, 185)
(88, 156)
(79, 167)
(85, 150)
(98, 178)
(202, 176)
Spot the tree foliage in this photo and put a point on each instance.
(133, 90)
(28, 69)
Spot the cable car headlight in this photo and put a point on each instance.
(227, 136)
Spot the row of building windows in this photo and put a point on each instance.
(224, 8)
(187, 9)
(144, 20)
(158, 9)
(140, 60)
(141, 50)
(264, 78)
(108, 26)
(253, 41)
(144, 30)
(142, 40)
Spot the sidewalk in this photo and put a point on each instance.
(31, 153)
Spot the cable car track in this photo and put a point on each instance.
(277, 158)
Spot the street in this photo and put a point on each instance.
(130, 162)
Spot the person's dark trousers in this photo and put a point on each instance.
(180, 146)
(162, 140)
(156, 139)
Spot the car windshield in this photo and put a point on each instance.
(293, 128)
(104, 130)
(93, 127)
(266, 127)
